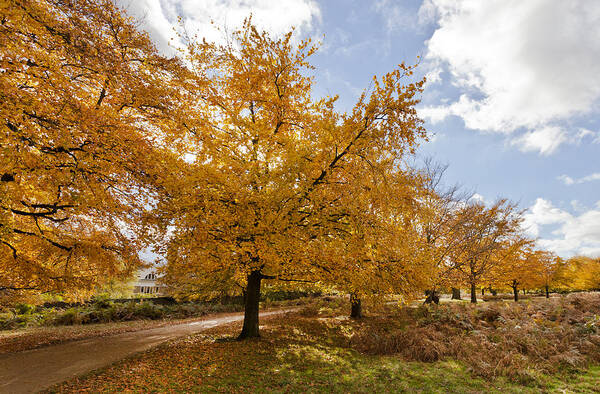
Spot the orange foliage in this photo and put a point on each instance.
(274, 184)
(82, 100)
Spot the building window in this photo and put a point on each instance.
(150, 276)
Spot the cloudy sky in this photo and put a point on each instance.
(513, 97)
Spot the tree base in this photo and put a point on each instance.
(455, 294)
(432, 297)
(355, 307)
(243, 336)
(250, 328)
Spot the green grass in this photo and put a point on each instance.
(298, 354)
(587, 382)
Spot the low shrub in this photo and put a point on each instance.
(23, 309)
(69, 317)
(517, 340)
(106, 311)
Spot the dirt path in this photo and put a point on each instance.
(34, 370)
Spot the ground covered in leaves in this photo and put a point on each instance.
(410, 349)
(35, 337)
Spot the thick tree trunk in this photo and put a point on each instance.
(473, 281)
(252, 302)
(494, 292)
(515, 292)
(432, 297)
(355, 306)
(547, 292)
(455, 293)
(482, 291)
(524, 291)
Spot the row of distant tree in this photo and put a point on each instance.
(543, 273)
(221, 159)
(576, 273)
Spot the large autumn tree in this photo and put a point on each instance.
(267, 183)
(85, 101)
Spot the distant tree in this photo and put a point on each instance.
(517, 265)
(437, 222)
(486, 230)
(549, 265)
(578, 273)
(382, 246)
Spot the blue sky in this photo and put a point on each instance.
(513, 93)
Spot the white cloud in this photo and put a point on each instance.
(477, 197)
(574, 235)
(545, 140)
(567, 180)
(543, 213)
(159, 17)
(586, 134)
(154, 17)
(518, 64)
(427, 12)
(590, 251)
(398, 16)
(588, 178)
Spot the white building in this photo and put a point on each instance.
(146, 283)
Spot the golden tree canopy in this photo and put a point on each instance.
(281, 184)
(84, 102)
